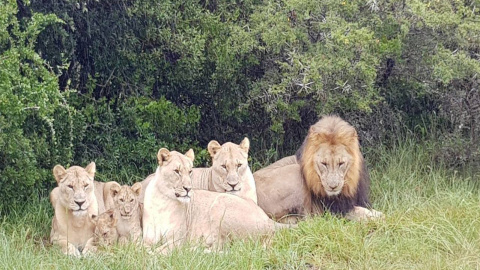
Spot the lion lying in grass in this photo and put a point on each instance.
(174, 213)
(75, 205)
(105, 233)
(229, 172)
(128, 210)
(327, 173)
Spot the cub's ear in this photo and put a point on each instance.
(59, 172)
(137, 188)
(94, 219)
(163, 155)
(245, 145)
(114, 189)
(213, 148)
(91, 169)
(190, 154)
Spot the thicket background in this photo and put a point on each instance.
(113, 81)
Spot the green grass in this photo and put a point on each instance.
(431, 223)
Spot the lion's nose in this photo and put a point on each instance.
(80, 203)
(333, 186)
(187, 189)
(233, 185)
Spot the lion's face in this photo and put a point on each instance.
(229, 165)
(126, 199)
(76, 187)
(176, 171)
(331, 164)
(105, 233)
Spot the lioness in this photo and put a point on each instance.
(128, 210)
(174, 213)
(105, 233)
(75, 204)
(229, 173)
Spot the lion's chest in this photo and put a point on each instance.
(127, 227)
(78, 230)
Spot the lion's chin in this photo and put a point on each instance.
(333, 193)
(184, 199)
(233, 192)
(79, 212)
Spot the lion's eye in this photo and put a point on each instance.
(85, 187)
(224, 166)
(340, 164)
(121, 199)
(239, 165)
(324, 164)
(190, 172)
(70, 186)
(177, 171)
(131, 200)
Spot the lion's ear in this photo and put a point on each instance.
(114, 189)
(137, 188)
(213, 148)
(189, 154)
(245, 145)
(59, 172)
(163, 155)
(91, 169)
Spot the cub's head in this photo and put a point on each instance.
(105, 233)
(125, 199)
(76, 187)
(331, 160)
(229, 165)
(174, 173)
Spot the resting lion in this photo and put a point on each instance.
(75, 204)
(229, 173)
(128, 210)
(327, 173)
(105, 233)
(174, 213)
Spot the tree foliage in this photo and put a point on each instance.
(114, 81)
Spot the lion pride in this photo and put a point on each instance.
(327, 173)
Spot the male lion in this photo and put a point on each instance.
(327, 173)
(174, 213)
(75, 204)
(105, 233)
(229, 173)
(128, 210)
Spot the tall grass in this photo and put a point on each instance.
(431, 223)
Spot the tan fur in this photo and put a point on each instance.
(105, 233)
(321, 135)
(330, 167)
(75, 204)
(174, 213)
(229, 173)
(128, 210)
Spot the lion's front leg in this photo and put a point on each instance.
(89, 248)
(67, 248)
(363, 214)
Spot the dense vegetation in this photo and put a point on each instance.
(113, 81)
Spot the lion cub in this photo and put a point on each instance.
(128, 210)
(105, 229)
